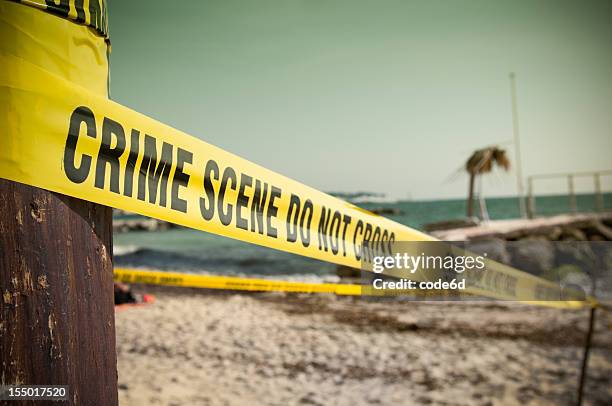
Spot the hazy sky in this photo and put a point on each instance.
(379, 95)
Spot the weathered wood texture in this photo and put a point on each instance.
(57, 313)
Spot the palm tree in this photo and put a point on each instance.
(480, 162)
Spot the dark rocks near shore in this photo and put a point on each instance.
(578, 246)
(534, 255)
(495, 248)
(141, 224)
(566, 249)
(388, 211)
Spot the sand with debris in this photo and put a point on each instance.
(196, 347)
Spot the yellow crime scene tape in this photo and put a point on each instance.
(230, 282)
(187, 280)
(60, 132)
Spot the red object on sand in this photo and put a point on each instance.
(146, 300)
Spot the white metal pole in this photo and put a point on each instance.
(517, 148)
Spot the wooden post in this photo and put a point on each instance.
(599, 204)
(57, 312)
(572, 195)
(470, 199)
(585, 357)
(531, 199)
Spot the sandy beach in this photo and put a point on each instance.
(195, 347)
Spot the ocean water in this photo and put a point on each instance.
(186, 250)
